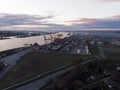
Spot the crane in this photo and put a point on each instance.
(45, 39)
(52, 38)
(59, 35)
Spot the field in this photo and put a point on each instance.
(94, 50)
(111, 51)
(36, 63)
(109, 45)
(111, 55)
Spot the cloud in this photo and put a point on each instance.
(44, 23)
(25, 22)
(20, 19)
(112, 22)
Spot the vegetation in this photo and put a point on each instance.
(94, 50)
(36, 63)
(111, 55)
(108, 44)
(111, 51)
(83, 75)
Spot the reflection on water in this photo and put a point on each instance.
(19, 42)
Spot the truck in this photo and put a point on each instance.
(2, 65)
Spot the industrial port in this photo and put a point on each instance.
(78, 56)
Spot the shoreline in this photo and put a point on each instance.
(4, 38)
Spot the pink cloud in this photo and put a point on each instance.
(111, 22)
(116, 17)
(82, 21)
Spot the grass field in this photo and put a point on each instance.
(94, 50)
(111, 55)
(36, 63)
(109, 45)
(111, 51)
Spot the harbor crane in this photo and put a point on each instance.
(46, 40)
(59, 36)
(52, 38)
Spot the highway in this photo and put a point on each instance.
(42, 82)
(35, 85)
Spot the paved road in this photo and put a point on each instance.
(42, 82)
(12, 60)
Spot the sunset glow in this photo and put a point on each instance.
(56, 14)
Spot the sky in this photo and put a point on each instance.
(53, 15)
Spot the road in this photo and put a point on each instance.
(42, 82)
(12, 60)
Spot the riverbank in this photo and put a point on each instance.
(4, 38)
(21, 42)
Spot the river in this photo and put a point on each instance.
(7, 44)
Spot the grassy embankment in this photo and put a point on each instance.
(35, 63)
